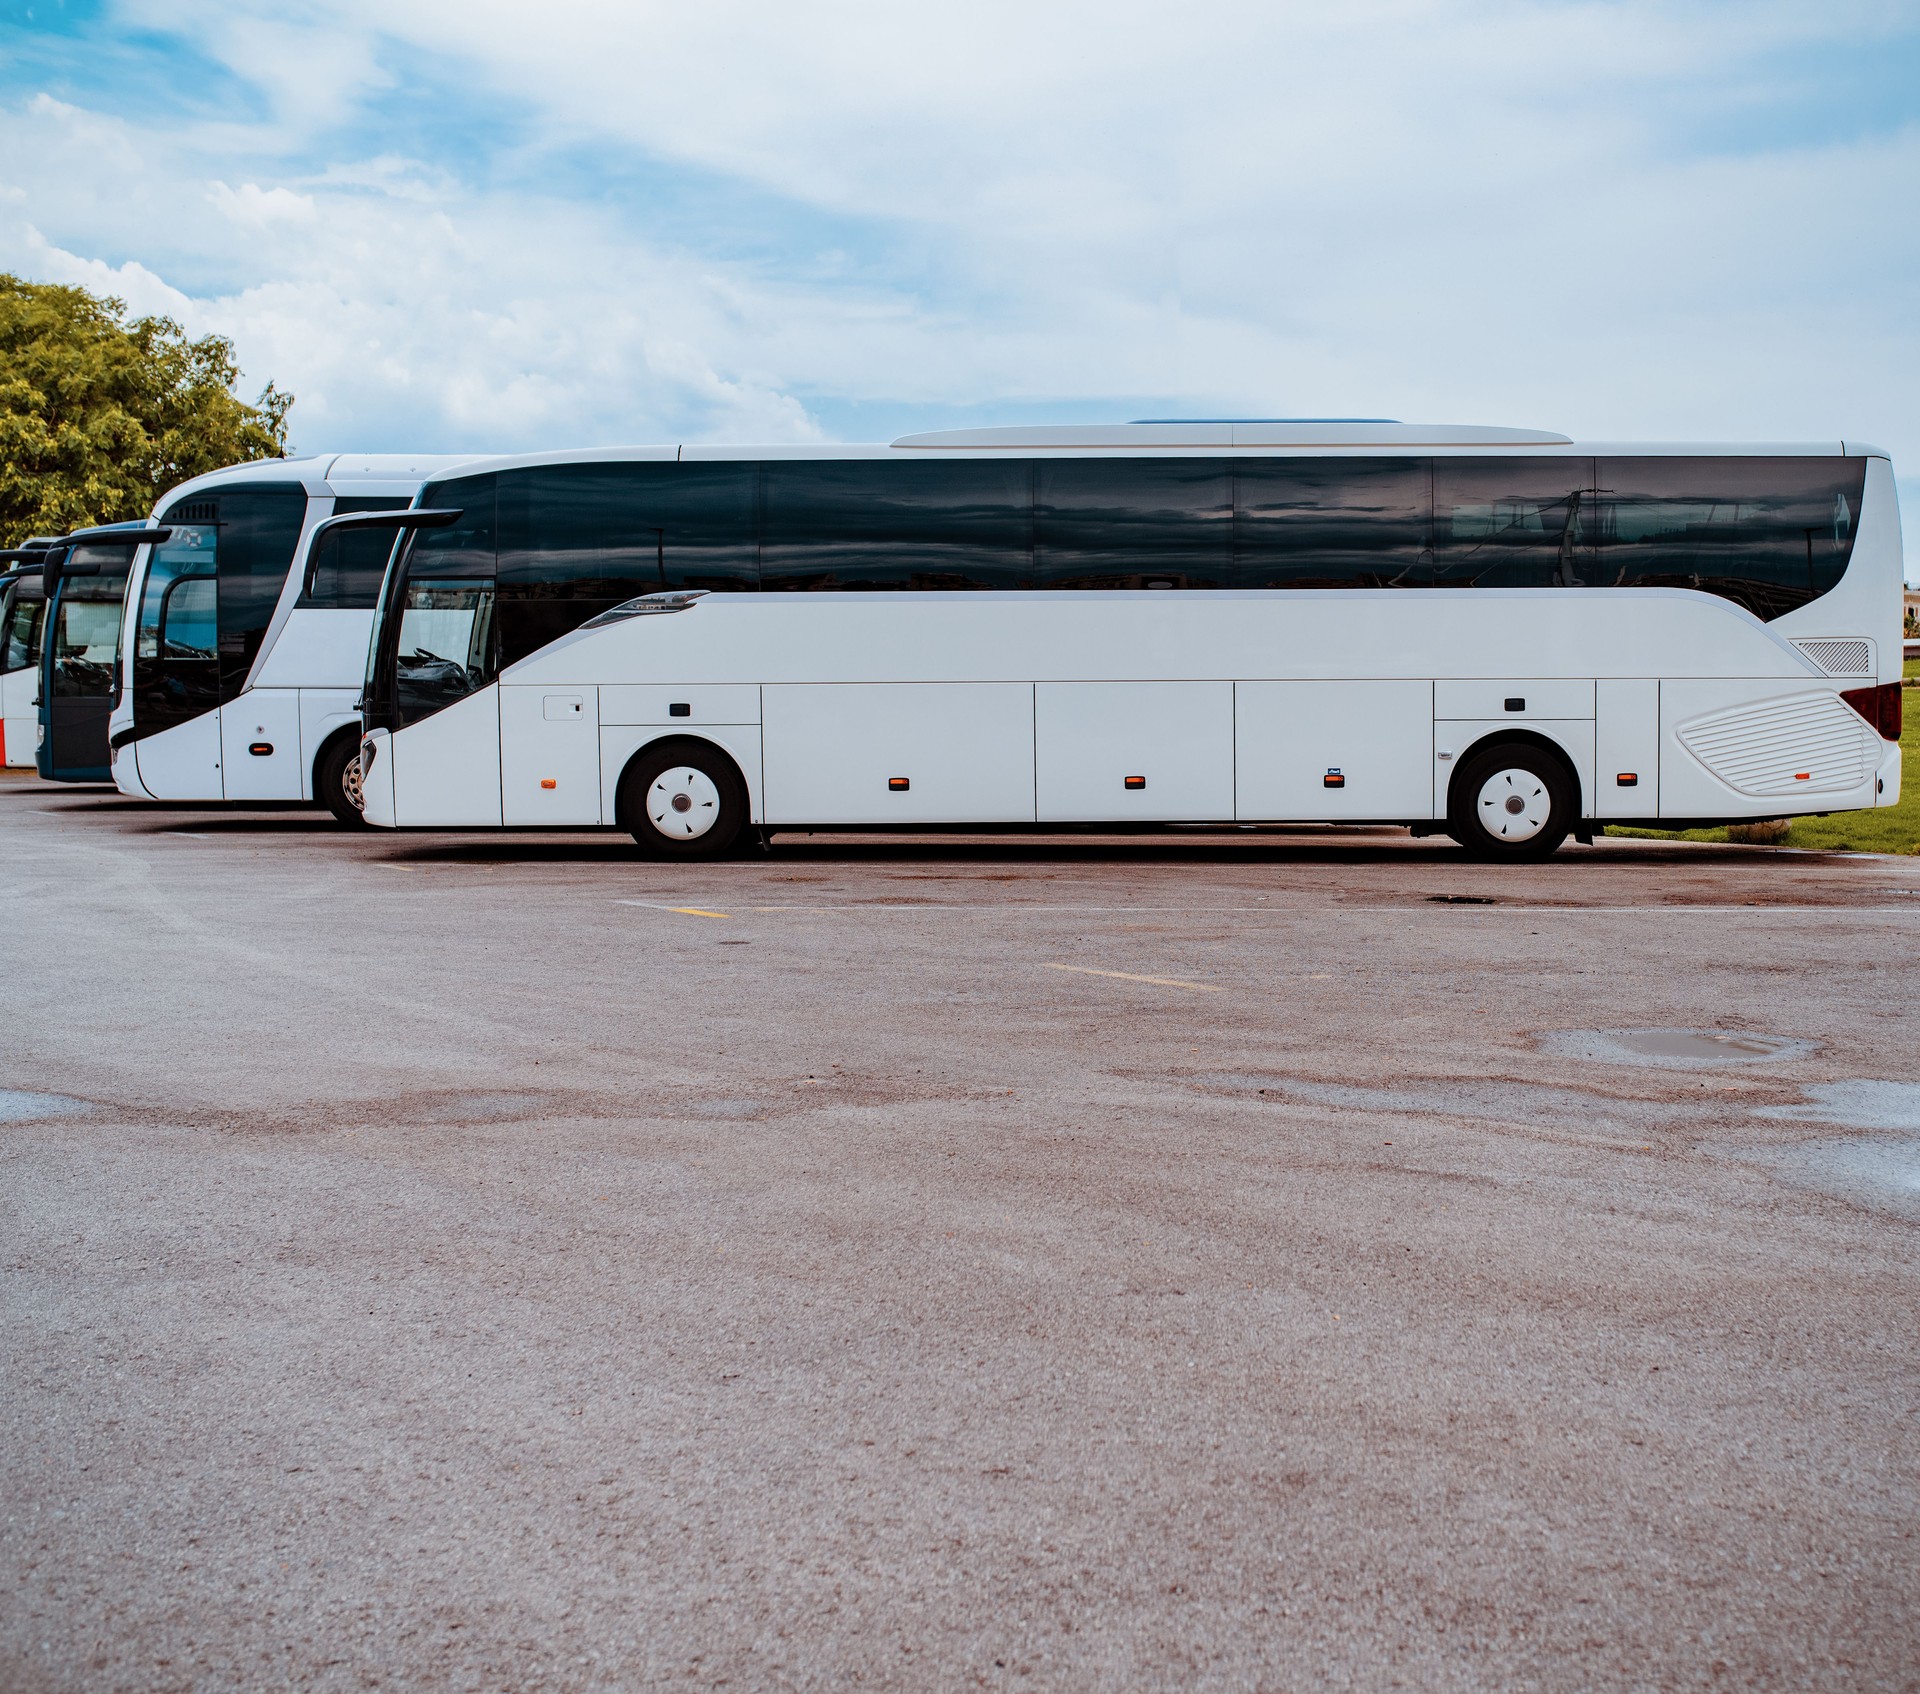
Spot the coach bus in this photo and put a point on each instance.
(1499, 634)
(23, 611)
(239, 675)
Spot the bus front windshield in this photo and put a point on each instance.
(176, 659)
(85, 638)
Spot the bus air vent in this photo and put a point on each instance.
(1840, 658)
(1785, 746)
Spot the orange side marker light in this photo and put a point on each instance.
(548, 782)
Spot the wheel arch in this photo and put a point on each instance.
(345, 731)
(682, 738)
(1518, 735)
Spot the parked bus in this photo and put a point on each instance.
(23, 611)
(1499, 634)
(240, 676)
(85, 576)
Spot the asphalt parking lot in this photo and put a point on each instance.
(1232, 1260)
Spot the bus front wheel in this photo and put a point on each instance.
(682, 800)
(1514, 800)
(336, 777)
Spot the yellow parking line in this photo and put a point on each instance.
(1128, 976)
(696, 912)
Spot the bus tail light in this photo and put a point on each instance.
(1879, 706)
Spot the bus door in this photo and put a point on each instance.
(176, 668)
(205, 605)
(79, 657)
(21, 617)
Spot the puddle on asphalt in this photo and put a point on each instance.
(19, 1106)
(1673, 1049)
(1497, 1099)
(1857, 1103)
(1882, 1171)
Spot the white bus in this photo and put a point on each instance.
(240, 676)
(1499, 634)
(23, 613)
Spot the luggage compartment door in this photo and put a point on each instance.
(1152, 752)
(898, 752)
(1324, 751)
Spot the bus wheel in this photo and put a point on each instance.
(1511, 801)
(336, 777)
(682, 800)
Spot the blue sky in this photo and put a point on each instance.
(476, 224)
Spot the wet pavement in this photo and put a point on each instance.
(1229, 1259)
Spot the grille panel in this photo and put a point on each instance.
(1759, 749)
(1840, 658)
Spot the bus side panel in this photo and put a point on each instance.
(1762, 749)
(1626, 774)
(446, 768)
(549, 755)
(916, 752)
(1172, 740)
(260, 745)
(1376, 738)
(324, 712)
(318, 647)
(182, 763)
(21, 716)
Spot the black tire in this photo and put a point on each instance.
(1513, 800)
(715, 809)
(336, 777)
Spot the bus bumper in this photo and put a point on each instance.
(376, 778)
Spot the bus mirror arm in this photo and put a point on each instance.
(57, 559)
(406, 517)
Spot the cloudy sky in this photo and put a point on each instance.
(492, 224)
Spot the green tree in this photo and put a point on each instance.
(101, 414)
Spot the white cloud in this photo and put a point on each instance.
(1485, 209)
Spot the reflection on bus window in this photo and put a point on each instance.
(189, 623)
(446, 644)
(23, 632)
(86, 636)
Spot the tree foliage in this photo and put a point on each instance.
(101, 414)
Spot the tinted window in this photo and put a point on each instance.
(24, 613)
(259, 529)
(577, 539)
(1132, 523)
(176, 659)
(1331, 523)
(1513, 523)
(446, 644)
(85, 640)
(883, 524)
(1771, 534)
(348, 565)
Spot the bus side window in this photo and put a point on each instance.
(1133, 523)
(1332, 523)
(883, 524)
(1513, 523)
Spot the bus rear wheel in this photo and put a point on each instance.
(336, 778)
(1512, 801)
(682, 800)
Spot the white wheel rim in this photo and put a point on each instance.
(350, 785)
(1514, 805)
(683, 803)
